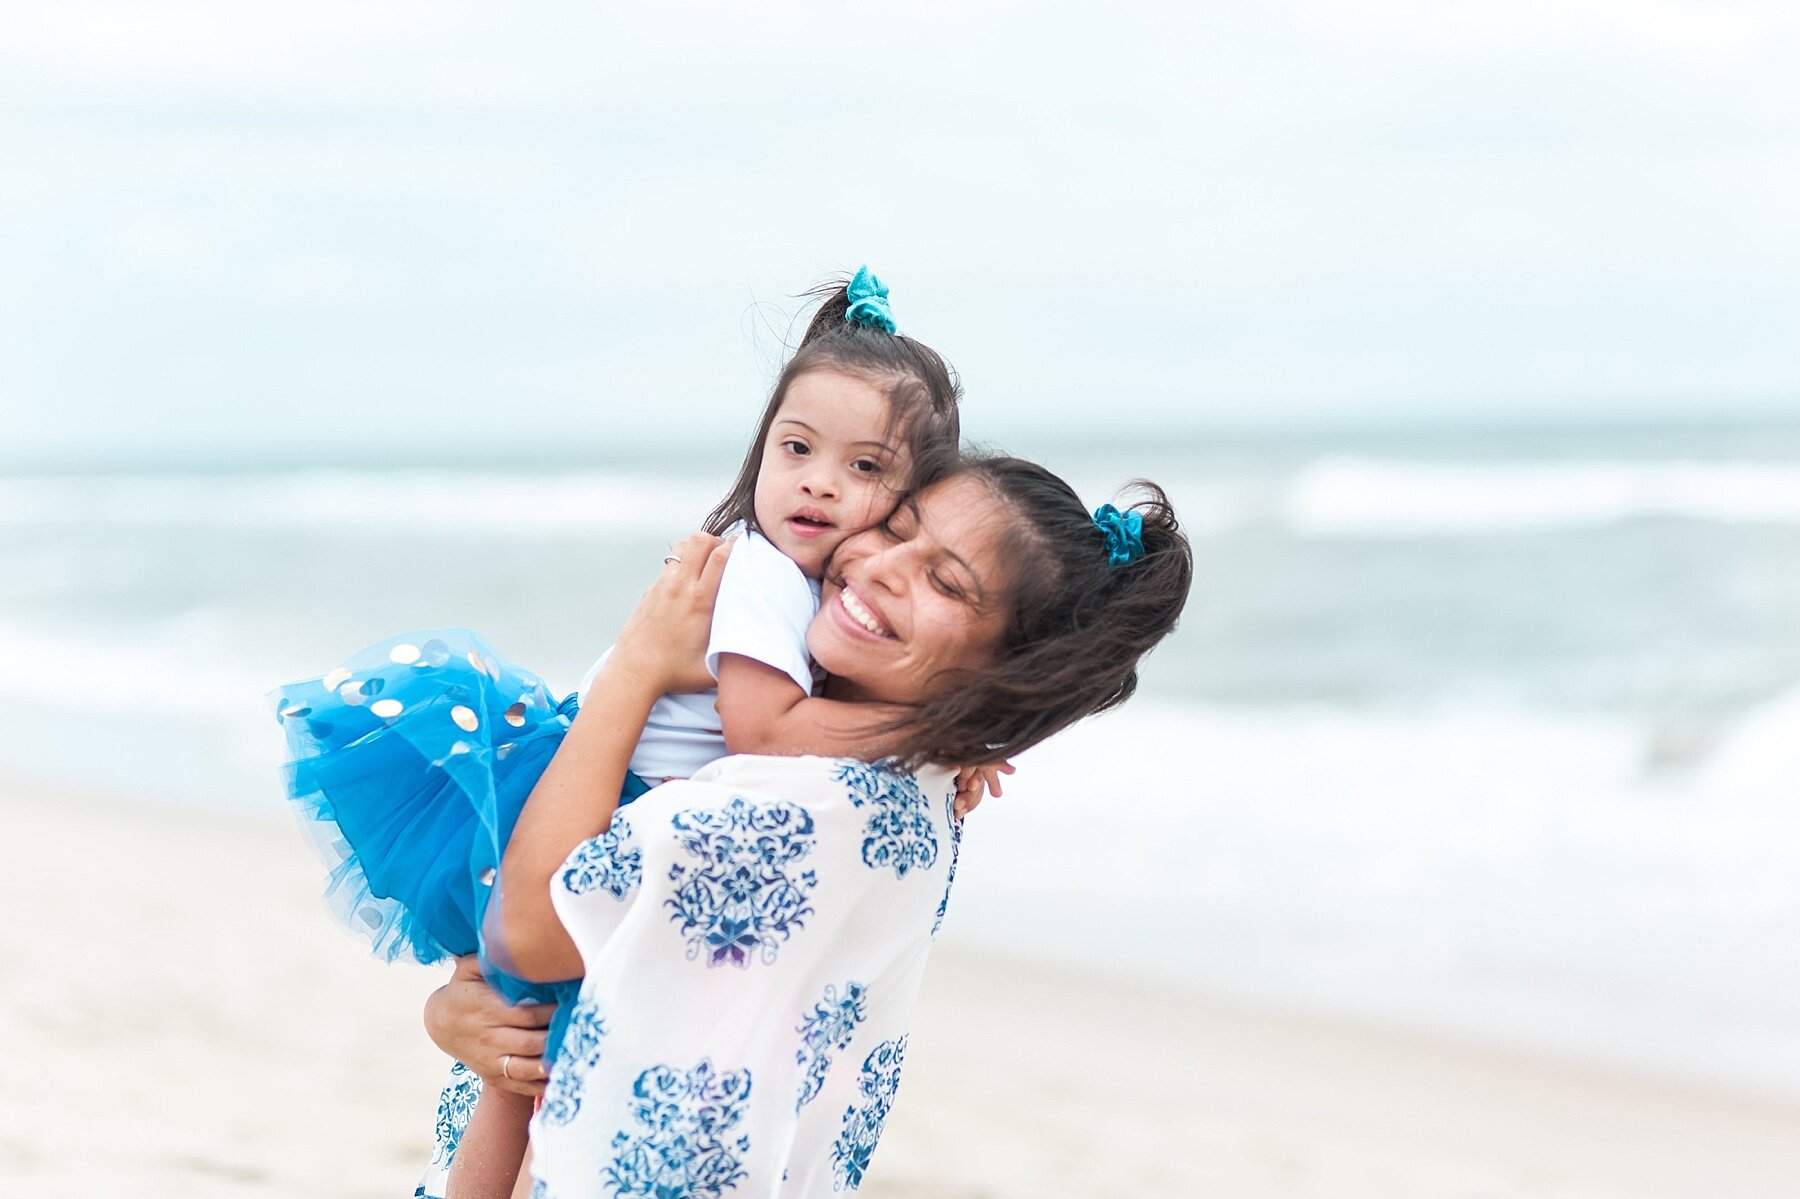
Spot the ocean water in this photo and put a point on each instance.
(1491, 732)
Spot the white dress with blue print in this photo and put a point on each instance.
(754, 939)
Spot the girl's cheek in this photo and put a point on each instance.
(881, 501)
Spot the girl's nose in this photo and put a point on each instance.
(819, 483)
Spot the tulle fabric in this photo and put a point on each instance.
(409, 765)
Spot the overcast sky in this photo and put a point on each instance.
(231, 224)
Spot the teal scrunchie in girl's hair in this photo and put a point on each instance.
(869, 302)
(1124, 534)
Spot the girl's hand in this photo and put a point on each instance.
(664, 642)
(972, 782)
(503, 1044)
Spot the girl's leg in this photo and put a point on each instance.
(492, 1150)
(522, 1188)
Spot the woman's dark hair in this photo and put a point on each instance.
(922, 395)
(1079, 624)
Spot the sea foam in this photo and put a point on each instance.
(1349, 496)
(1328, 496)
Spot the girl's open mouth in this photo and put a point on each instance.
(809, 522)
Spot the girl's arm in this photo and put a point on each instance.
(662, 649)
(763, 711)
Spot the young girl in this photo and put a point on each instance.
(413, 759)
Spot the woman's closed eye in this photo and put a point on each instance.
(946, 587)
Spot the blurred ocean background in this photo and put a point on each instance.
(1461, 336)
(1491, 731)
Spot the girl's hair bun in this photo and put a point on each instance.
(923, 394)
(834, 304)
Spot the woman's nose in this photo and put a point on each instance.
(886, 569)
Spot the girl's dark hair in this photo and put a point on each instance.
(922, 395)
(1079, 624)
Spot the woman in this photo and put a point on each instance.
(996, 611)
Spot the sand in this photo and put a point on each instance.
(178, 1018)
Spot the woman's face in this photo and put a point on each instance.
(927, 593)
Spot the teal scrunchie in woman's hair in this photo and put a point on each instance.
(1124, 534)
(869, 302)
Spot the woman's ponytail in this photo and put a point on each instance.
(1092, 593)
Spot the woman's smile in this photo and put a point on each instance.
(852, 606)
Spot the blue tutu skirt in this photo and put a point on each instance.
(409, 765)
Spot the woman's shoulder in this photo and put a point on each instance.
(856, 781)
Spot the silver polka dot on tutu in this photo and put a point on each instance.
(433, 653)
(404, 654)
(352, 694)
(336, 678)
(387, 709)
(488, 876)
(515, 716)
(465, 718)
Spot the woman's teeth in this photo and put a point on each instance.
(860, 614)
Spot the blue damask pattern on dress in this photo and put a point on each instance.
(684, 1148)
(855, 1145)
(744, 898)
(956, 830)
(455, 1103)
(899, 832)
(604, 863)
(579, 1054)
(830, 1025)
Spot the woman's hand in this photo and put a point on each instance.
(503, 1044)
(972, 782)
(662, 649)
(664, 642)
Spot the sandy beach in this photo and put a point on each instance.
(179, 1018)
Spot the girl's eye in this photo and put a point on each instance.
(867, 466)
(793, 446)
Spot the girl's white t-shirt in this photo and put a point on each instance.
(764, 607)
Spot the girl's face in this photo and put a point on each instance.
(831, 466)
(925, 594)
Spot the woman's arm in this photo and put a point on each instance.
(662, 649)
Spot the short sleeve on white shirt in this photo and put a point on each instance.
(764, 607)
